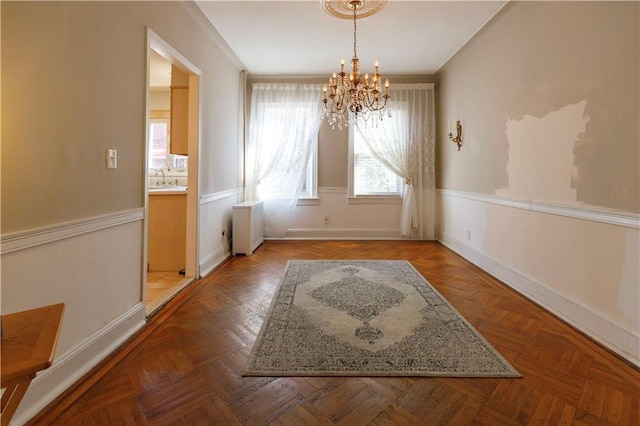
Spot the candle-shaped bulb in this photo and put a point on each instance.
(324, 92)
(386, 87)
(342, 65)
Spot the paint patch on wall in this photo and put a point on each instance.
(541, 160)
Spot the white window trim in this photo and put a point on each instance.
(312, 177)
(308, 201)
(352, 198)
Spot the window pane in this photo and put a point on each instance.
(158, 148)
(275, 115)
(159, 155)
(180, 162)
(370, 175)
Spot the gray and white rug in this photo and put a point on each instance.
(367, 318)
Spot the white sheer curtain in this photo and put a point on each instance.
(405, 143)
(283, 129)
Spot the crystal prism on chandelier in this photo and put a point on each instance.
(351, 96)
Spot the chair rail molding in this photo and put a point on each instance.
(221, 195)
(594, 214)
(45, 235)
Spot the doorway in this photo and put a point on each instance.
(171, 174)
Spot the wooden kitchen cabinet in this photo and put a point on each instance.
(179, 142)
(167, 231)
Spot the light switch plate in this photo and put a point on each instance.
(112, 159)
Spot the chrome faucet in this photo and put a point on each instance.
(164, 183)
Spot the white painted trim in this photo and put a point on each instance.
(217, 196)
(165, 50)
(606, 331)
(375, 199)
(332, 190)
(74, 364)
(629, 220)
(310, 201)
(342, 234)
(40, 236)
(214, 259)
(194, 138)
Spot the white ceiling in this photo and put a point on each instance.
(159, 71)
(299, 38)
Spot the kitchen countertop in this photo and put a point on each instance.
(168, 190)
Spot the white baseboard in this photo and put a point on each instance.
(604, 330)
(73, 365)
(342, 234)
(208, 263)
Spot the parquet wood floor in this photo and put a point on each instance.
(161, 287)
(184, 367)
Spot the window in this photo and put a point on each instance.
(369, 177)
(274, 115)
(310, 187)
(159, 155)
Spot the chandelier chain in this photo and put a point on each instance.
(355, 32)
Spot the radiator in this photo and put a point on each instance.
(248, 227)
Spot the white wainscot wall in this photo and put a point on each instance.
(93, 266)
(582, 264)
(347, 219)
(215, 217)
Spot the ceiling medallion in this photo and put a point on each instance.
(343, 9)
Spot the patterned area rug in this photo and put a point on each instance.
(367, 318)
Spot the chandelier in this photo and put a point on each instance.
(352, 96)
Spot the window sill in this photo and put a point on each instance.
(375, 199)
(311, 201)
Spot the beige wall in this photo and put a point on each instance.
(73, 79)
(333, 155)
(548, 95)
(160, 100)
(545, 192)
(74, 85)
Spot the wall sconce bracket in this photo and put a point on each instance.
(457, 139)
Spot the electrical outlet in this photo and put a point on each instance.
(326, 220)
